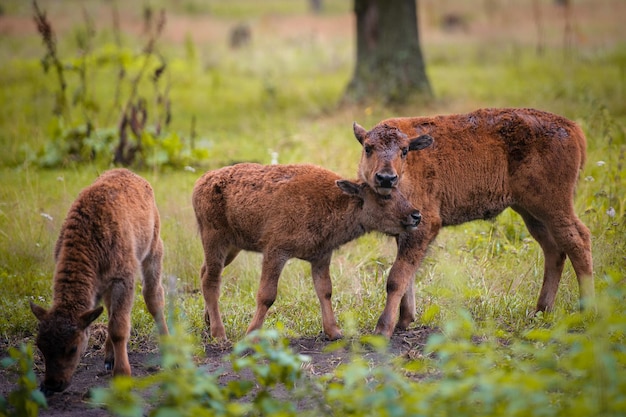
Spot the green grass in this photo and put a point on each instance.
(281, 96)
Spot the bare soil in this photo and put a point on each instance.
(74, 401)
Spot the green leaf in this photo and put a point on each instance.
(430, 314)
(540, 335)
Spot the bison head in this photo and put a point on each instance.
(61, 339)
(385, 149)
(392, 214)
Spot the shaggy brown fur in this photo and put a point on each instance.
(111, 230)
(479, 164)
(284, 212)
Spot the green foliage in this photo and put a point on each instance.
(183, 389)
(376, 388)
(26, 399)
(574, 367)
(270, 359)
(141, 134)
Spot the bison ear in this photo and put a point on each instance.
(89, 316)
(38, 311)
(350, 188)
(420, 142)
(359, 132)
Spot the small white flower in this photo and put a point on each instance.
(190, 168)
(274, 157)
(46, 216)
(611, 212)
(600, 163)
(60, 179)
(589, 178)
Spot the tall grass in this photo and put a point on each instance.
(280, 95)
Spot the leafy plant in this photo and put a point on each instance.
(183, 389)
(26, 399)
(575, 368)
(359, 387)
(141, 137)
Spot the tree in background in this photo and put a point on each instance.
(389, 62)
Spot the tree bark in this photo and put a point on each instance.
(389, 62)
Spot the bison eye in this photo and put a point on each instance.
(368, 150)
(72, 350)
(405, 151)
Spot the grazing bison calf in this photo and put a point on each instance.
(479, 164)
(111, 230)
(286, 211)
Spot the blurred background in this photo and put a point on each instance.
(274, 76)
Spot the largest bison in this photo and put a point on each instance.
(473, 166)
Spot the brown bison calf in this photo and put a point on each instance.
(111, 230)
(284, 212)
(479, 164)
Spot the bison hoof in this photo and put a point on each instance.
(335, 336)
(401, 326)
(383, 330)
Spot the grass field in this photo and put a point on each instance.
(280, 94)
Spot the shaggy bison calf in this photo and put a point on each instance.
(286, 211)
(111, 230)
(479, 164)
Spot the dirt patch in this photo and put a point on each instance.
(74, 401)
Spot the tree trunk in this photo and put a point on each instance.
(389, 62)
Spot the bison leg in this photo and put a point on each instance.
(554, 260)
(563, 234)
(582, 260)
(397, 283)
(407, 307)
(121, 303)
(574, 237)
(109, 359)
(407, 304)
(411, 251)
(211, 278)
(153, 289)
(324, 290)
(273, 264)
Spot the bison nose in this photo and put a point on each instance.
(386, 180)
(50, 387)
(412, 221)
